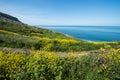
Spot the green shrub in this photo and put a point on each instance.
(49, 66)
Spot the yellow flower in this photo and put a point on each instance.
(104, 66)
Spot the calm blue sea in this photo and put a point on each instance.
(92, 33)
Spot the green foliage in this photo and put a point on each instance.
(30, 30)
(14, 40)
(23, 36)
(49, 66)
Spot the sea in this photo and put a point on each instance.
(89, 33)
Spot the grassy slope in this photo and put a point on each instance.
(16, 36)
(29, 30)
(45, 65)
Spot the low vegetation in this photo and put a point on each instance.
(24, 36)
(31, 53)
(50, 66)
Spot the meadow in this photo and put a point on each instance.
(49, 66)
(43, 62)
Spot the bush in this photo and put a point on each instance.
(49, 66)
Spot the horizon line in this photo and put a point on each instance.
(74, 25)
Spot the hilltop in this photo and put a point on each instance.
(9, 18)
(6, 17)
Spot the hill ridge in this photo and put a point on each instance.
(8, 18)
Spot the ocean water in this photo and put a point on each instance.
(91, 33)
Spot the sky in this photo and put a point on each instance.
(64, 12)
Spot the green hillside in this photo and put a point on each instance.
(46, 57)
(24, 36)
(15, 34)
(30, 30)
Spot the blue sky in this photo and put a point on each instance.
(64, 12)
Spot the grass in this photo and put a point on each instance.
(49, 66)
(46, 64)
(30, 30)
(29, 37)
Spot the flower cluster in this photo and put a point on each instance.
(50, 66)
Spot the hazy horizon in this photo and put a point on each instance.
(64, 12)
(75, 25)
